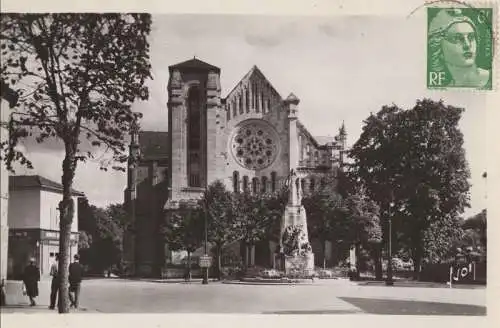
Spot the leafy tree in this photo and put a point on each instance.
(76, 76)
(414, 160)
(365, 230)
(102, 232)
(184, 230)
(217, 207)
(477, 223)
(326, 218)
(255, 216)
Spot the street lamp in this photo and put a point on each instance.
(389, 281)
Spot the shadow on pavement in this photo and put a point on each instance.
(404, 307)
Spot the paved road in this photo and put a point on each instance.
(331, 297)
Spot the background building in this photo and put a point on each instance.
(34, 222)
(8, 100)
(250, 140)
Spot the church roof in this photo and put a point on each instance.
(323, 140)
(257, 72)
(195, 64)
(153, 144)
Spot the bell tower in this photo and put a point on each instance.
(193, 114)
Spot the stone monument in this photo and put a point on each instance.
(295, 248)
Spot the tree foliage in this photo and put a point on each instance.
(217, 206)
(415, 159)
(185, 229)
(101, 235)
(76, 76)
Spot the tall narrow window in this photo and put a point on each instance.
(247, 100)
(264, 184)
(194, 137)
(235, 110)
(303, 184)
(240, 103)
(301, 153)
(245, 183)
(228, 113)
(255, 185)
(273, 181)
(268, 105)
(236, 181)
(262, 100)
(311, 184)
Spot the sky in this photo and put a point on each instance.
(341, 68)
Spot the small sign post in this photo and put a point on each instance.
(205, 261)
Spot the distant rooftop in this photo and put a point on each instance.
(195, 64)
(19, 182)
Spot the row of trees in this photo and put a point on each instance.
(252, 218)
(101, 235)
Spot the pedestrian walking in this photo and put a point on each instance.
(54, 286)
(75, 280)
(31, 279)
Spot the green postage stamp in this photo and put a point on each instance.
(460, 48)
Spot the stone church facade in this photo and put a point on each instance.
(250, 140)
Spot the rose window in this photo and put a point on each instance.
(255, 145)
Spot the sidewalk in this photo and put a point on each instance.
(18, 303)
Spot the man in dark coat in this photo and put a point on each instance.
(54, 286)
(31, 279)
(75, 280)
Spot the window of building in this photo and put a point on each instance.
(264, 184)
(194, 137)
(312, 184)
(255, 185)
(240, 103)
(273, 181)
(245, 183)
(236, 181)
(247, 100)
(263, 102)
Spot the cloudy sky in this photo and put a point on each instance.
(342, 68)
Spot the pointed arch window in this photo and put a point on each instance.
(264, 184)
(194, 120)
(247, 100)
(240, 104)
(236, 181)
(273, 181)
(255, 185)
(245, 183)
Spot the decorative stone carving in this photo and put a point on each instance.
(213, 81)
(255, 144)
(176, 79)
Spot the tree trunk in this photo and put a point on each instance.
(188, 278)
(323, 241)
(219, 264)
(417, 259)
(66, 210)
(378, 262)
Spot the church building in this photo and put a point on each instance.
(250, 140)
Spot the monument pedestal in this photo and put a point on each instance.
(301, 265)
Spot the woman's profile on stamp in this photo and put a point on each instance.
(453, 41)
